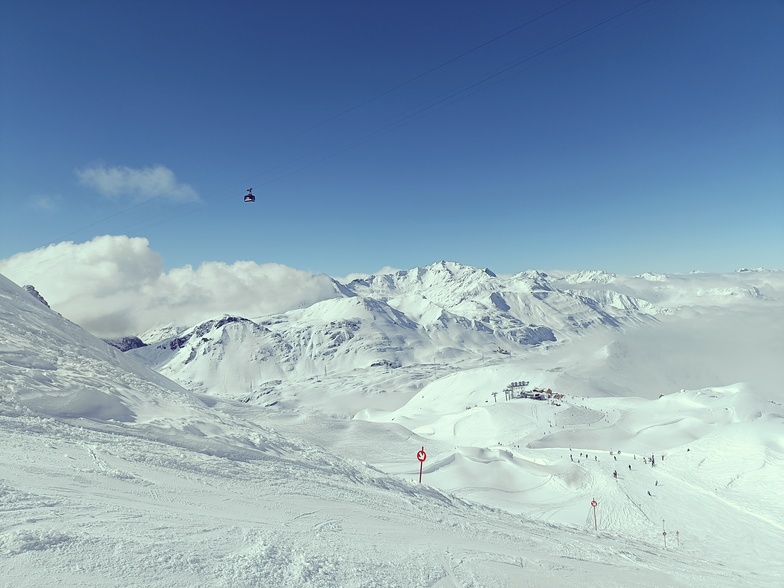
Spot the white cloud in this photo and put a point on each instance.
(46, 203)
(136, 184)
(115, 285)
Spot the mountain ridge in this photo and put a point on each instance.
(443, 312)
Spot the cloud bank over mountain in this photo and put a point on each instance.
(116, 285)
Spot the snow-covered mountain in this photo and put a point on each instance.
(51, 368)
(505, 304)
(445, 312)
(448, 313)
(40, 352)
(114, 475)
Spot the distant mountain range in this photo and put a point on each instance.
(444, 312)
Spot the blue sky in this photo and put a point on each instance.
(398, 134)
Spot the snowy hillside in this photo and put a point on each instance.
(113, 475)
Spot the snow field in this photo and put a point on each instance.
(114, 476)
(103, 510)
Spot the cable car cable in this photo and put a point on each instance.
(423, 109)
(331, 118)
(418, 111)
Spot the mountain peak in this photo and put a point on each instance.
(455, 267)
(591, 276)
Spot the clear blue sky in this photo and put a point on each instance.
(652, 142)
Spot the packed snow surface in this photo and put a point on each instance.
(302, 470)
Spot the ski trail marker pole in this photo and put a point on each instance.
(421, 456)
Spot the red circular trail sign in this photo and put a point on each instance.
(594, 504)
(421, 456)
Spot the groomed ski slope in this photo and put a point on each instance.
(86, 507)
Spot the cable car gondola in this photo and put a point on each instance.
(249, 197)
